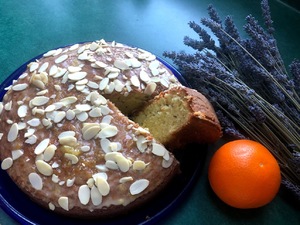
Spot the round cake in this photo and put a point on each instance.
(66, 139)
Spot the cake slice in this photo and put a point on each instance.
(179, 116)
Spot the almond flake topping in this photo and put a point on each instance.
(144, 76)
(57, 51)
(108, 131)
(8, 106)
(101, 174)
(61, 58)
(13, 133)
(31, 140)
(74, 47)
(138, 186)
(64, 203)
(103, 84)
(96, 196)
(70, 182)
(44, 168)
(94, 46)
(90, 132)
(122, 163)
(120, 64)
(51, 206)
(53, 70)
(49, 152)
(135, 63)
(68, 140)
(83, 107)
(67, 133)
(74, 69)
(49, 53)
(33, 66)
(85, 148)
(41, 147)
(35, 181)
(102, 186)
(73, 158)
(95, 112)
(60, 115)
(135, 81)
(6, 163)
(167, 163)
(141, 143)
(77, 76)
(84, 194)
(104, 143)
(68, 100)
(22, 111)
(82, 116)
(35, 122)
(139, 165)
(39, 101)
(125, 179)
(111, 165)
(17, 153)
(82, 82)
(19, 87)
(101, 64)
(150, 88)
(50, 108)
(70, 114)
(158, 149)
(43, 67)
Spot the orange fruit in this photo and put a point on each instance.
(244, 174)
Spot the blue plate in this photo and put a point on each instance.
(20, 207)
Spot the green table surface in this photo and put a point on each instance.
(29, 28)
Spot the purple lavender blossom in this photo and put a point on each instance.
(247, 83)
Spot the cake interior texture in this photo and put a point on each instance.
(180, 116)
(165, 117)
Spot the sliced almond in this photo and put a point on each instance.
(19, 87)
(64, 203)
(44, 168)
(96, 196)
(22, 111)
(17, 153)
(158, 149)
(13, 133)
(39, 100)
(61, 58)
(41, 147)
(73, 158)
(102, 186)
(35, 181)
(108, 131)
(138, 186)
(77, 76)
(84, 194)
(6, 163)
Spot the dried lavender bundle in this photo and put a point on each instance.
(246, 80)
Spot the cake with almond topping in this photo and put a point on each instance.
(65, 141)
(66, 137)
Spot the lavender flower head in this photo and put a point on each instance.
(246, 81)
